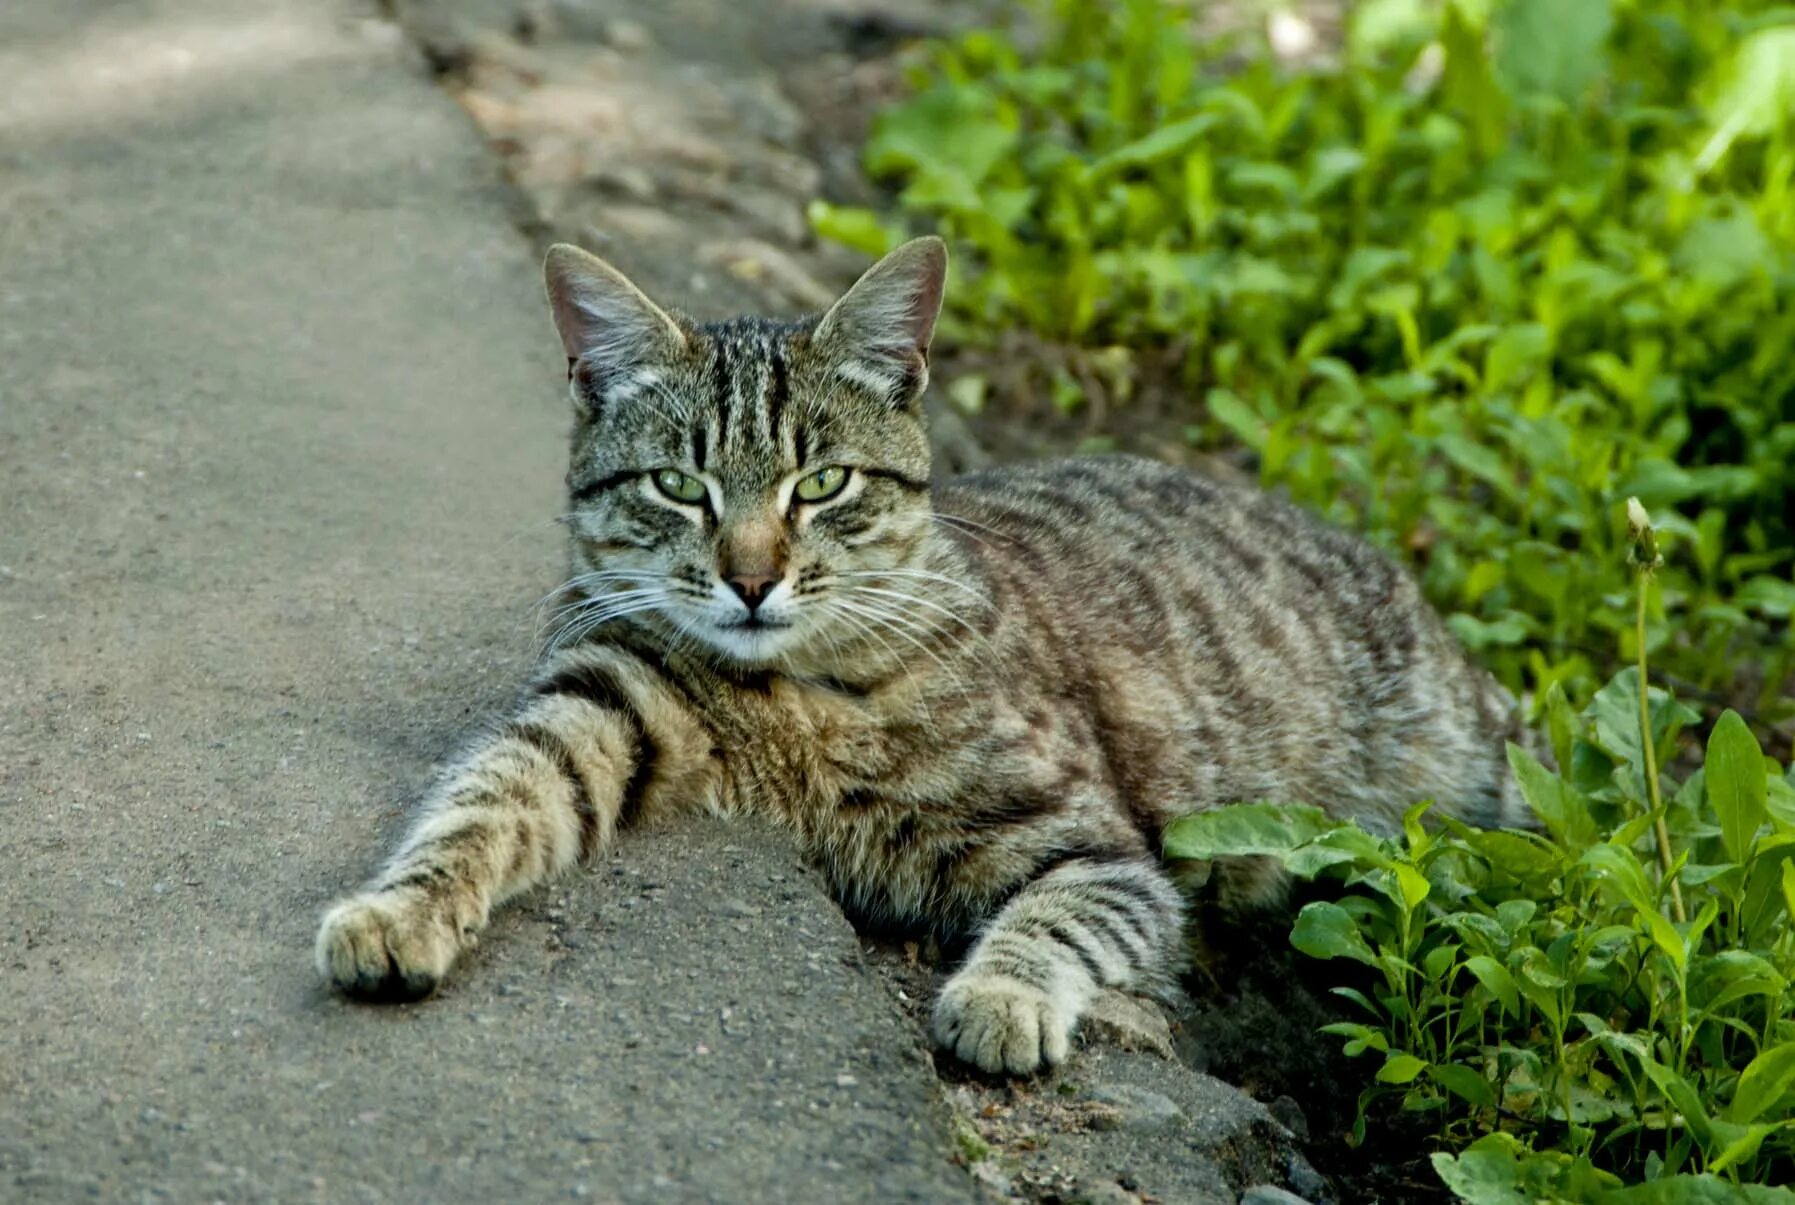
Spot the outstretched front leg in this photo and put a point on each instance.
(1086, 925)
(547, 789)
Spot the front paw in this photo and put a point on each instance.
(385, 947)
(1000, 1024)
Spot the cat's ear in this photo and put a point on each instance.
(879, 332)
(612, 332)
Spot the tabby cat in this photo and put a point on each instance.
(976, 701)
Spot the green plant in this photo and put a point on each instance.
(1528, 992)
(1462, 300)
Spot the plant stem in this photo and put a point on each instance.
(1651, 758)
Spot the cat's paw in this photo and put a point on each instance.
(385, 947)
(999, 1024)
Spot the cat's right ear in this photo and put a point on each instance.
(612, 333)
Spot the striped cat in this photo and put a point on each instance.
(976, 701)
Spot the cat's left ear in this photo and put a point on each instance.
(879, 332)
(614, 336)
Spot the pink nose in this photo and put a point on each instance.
(752, 588)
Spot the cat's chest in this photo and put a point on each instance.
(797, 749)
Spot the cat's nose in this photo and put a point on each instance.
(752, 588)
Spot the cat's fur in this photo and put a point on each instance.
(990, 695)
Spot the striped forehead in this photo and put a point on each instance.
(749, 426)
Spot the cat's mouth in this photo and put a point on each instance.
(758, 623)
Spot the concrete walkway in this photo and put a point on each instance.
(280, 438)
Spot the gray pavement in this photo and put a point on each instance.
(280, 440)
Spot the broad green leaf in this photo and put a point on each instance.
(1246, 829)
(1550, 46)
(1239, 418)
(1736, 782)
(1558, 805)
(1762, 909)
(1377, 26)
(1360, 1038)
(1438, 962)
(1619, 867)
(1494, 976)
(861, 229)
(1326, 930)
(1163, 143)
(1681, 1095)
(1615, 714)
(1488, 1172)
(1694, 1190)
(947, 132)
(1412, 884)
(1764, 1082)
(1468, 83)
(1464, 1083)
(1756, 94)
(1744, 1148)
(1400, 1069)
(1514, 354)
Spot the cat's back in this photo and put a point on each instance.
(1125, 531)
(1230, 644)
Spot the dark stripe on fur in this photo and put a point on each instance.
(1064, 937)
(778, 391)
(591, 489)
(720, 387)
(917, 484)
(597, 688)
(550, 744)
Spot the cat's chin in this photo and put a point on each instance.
(756, 646)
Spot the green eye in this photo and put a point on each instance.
(681, 487)
(822, 484)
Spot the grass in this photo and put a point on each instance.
(1465, 290)
(1492, 271)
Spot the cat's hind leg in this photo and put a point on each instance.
(1088, 924)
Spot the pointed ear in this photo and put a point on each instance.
(879, 331)
(610, 329)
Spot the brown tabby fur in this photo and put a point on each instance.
(976, 701)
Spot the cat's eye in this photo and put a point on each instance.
(681, 487)
(822, 484)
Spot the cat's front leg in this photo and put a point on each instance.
(548, 789)
(1086, 925)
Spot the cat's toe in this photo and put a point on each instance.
(1002, 1025)
(383, 950)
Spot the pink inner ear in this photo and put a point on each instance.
(926, 304)
(572, 322)
(891, 311)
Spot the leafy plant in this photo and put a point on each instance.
(1528, 990)
(1505, 263)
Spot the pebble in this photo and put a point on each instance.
(1304, 1179)
(1129, 1023)
(1138, 1110)
(1270, 1194)
(741, 908)
(1104, 1192)
(1289, 1114)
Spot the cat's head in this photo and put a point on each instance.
(747, 487)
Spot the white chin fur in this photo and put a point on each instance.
(752, 646)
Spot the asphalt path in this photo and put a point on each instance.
(281, 436)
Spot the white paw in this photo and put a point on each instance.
(385, 946)
(999, 1024)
